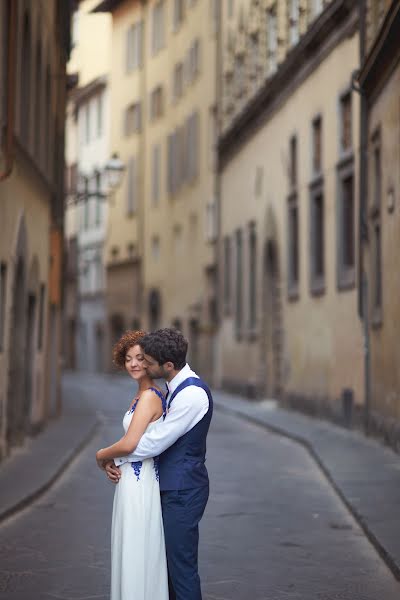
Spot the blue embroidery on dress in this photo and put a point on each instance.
(136, 466)
(156, 465)
(132, 408)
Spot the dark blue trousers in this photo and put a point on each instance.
(182, 511)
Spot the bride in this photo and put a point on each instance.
(138, 559)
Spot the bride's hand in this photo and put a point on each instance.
(113, 472)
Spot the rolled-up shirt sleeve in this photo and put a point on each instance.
(187, 409)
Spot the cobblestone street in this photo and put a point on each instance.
(273, 529)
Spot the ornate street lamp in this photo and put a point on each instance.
(114, 171)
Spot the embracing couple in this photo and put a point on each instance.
(159, 469)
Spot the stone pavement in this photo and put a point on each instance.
(31, 469)
(364, 473)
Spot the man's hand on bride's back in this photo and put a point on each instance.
(113, 472)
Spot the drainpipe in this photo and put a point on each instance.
(363, 309)
(10, 87)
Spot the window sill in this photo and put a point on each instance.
(377, 320)
(317, 287)
(346, 279)
(316, 181)
(293, 293)
(346, 160)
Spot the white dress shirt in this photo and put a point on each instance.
(187, 409)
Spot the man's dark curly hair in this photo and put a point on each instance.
(166, 345)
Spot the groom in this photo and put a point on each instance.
(180, 441)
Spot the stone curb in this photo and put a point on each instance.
(389, 560)
(38, 488)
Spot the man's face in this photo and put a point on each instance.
(154, 369)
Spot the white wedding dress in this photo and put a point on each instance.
(138, 559)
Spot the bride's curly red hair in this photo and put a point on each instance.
(120, 349)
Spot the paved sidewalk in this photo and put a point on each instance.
(365, 474)
(31, 469)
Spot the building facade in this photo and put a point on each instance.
(160, 253)
(34, 38)
(288, 157)
(88, 152)
(379, 81)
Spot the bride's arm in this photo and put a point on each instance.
(146, 410)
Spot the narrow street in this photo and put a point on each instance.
(273, 530)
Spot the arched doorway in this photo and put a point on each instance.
(272, 349)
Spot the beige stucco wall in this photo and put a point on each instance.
(385, 348)
(322, 346)
(24, 201)
(125, 90)
(179, 273)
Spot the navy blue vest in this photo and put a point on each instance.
(182, 465)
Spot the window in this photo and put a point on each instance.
(133, 119)
(178, 241)
(178, 81)
(294, 18)
(293, 162)
(346, 202)
(86, 206)
(227, 274)
(47, 126)
(158, 29)
(317, 145)
(317, 242)
(41, 315)
(25, 81)
(131, 187)
(376, 226)
(192, 148)
(86, 117)
(155, 247)
(211, 222)
(212, 137)
(155, 175)
(293, 222)
(346, 226)
(157, 102)
(239, 284)
(38, 100)
(377, 272)
(272, 41)
(99, 112)
(193, 61)
(3, 283)
(98, 198)
(231, 8)
(179, 13)
(73, 178)
(293, 247)
(345, 122)
(252, 277)
(134, 47)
